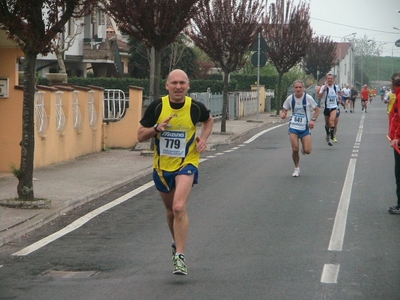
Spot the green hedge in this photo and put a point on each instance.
(244, 81)
(215, 83)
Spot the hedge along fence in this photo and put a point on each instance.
(196, 86)
(238, 82)
(244, 81)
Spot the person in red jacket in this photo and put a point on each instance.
(394, 137)
(364, 97)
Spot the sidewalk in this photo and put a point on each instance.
(73, 183)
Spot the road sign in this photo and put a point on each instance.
(263, 59)
(263, 45)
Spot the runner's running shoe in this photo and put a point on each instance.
(179, 265)
(296, 172)
(395, 210)
(335, 139)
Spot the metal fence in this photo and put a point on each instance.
(115, 104)
(241, 104)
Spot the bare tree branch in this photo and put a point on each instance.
(225, 30)
(320, 56)
(288, 34)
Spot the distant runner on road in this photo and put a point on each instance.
(330, 92)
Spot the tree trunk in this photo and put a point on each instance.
(157, 75)
(25, 176)
(60, 60)
(225, 102)
(152, 73)
(279, 96)
(155, 78)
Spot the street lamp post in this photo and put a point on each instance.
(340, 56)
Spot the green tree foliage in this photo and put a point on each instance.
(364, 48)
(33, 24)
(225, 30)
(288, 35)
(320, 56)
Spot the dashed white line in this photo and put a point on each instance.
(330, 273)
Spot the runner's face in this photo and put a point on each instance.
(298, 90)
(177, 86)
(329, 79)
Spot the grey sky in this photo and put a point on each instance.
(373, 18)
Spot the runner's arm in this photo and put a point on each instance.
(206, 129)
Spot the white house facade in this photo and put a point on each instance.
(97, 47)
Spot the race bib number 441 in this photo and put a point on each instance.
(173, 143)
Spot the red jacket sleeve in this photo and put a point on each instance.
(395, 124)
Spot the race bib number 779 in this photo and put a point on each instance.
(173, 143)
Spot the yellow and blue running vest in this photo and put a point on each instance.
(392, 100)
(176, 146)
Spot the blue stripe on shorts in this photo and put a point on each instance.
(165, 181)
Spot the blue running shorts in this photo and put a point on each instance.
(300, 133)
(165, 181)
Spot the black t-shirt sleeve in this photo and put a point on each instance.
(199, 112)
(151, 114)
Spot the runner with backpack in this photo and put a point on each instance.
(301, 122)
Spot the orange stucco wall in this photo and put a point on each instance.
(10, 111)
(53, 143)
(123, 134)
(77, 137)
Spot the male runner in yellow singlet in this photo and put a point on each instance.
(172, 121)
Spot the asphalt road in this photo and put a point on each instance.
(255, 232)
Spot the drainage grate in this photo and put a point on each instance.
(70, 274)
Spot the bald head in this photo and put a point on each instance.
(177, 85)
(177, 72)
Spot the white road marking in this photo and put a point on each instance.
(359, 135)
(339, 227)
(330, 273)
(261, 133)
(81, 221)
